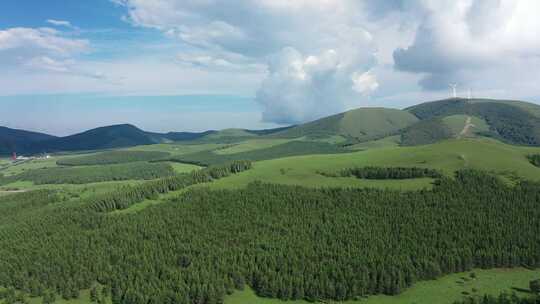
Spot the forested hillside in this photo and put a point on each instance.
(285, 242)
(13, 140)
(513, 122)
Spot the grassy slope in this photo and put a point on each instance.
(29, 165)
(364, 123)
(290, 148)
(387, 142)
(183, 168)
(177, 149)
(447, 156)
(252, 144)
(445, 290)
(368, 122)
(83, 190)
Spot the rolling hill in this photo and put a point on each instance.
(513, 122)
(360, 124)
(12, 140)
(100, 138)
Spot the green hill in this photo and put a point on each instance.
(361, 124)
(510, 121)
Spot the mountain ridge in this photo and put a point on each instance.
(514, 122)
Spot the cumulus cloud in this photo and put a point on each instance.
(457, 39)
(300, 88)
(317, 52)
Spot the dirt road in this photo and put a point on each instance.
(466, 128)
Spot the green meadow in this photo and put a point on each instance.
(445, 290)
(448, 156)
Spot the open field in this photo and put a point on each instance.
(177, 149)
(14, 169)
(82, 191)
(387, 142)
(183, 168)
(252, 144)
(448, 156)
(445, 290)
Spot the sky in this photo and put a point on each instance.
(193, 65)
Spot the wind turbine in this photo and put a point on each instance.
(453, 86)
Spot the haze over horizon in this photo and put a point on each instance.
(174, 65)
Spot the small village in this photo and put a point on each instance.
(19, 158)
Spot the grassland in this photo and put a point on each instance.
(290, 148)
(387, 142)
(183, 168)
(18, 168)
(445, 290)
(178, 149)
(85, 190)
(362, 124)
(250, 145)
(369, 122)
(447, 156)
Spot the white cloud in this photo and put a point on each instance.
(300, 88)
(458, 39)
(280, 34)
(46, 51)
(29, 41)
(60, 23)
(364, 83)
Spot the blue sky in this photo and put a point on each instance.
(173, 65)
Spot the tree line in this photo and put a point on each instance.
(371, 172)
(93, 174)
(285, 242)
(503, 298)
(534, 159)
(130, 195)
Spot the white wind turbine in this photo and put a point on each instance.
(453, 86)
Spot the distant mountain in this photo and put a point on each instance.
(116, 136)
(513, 122)
(12, 140)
